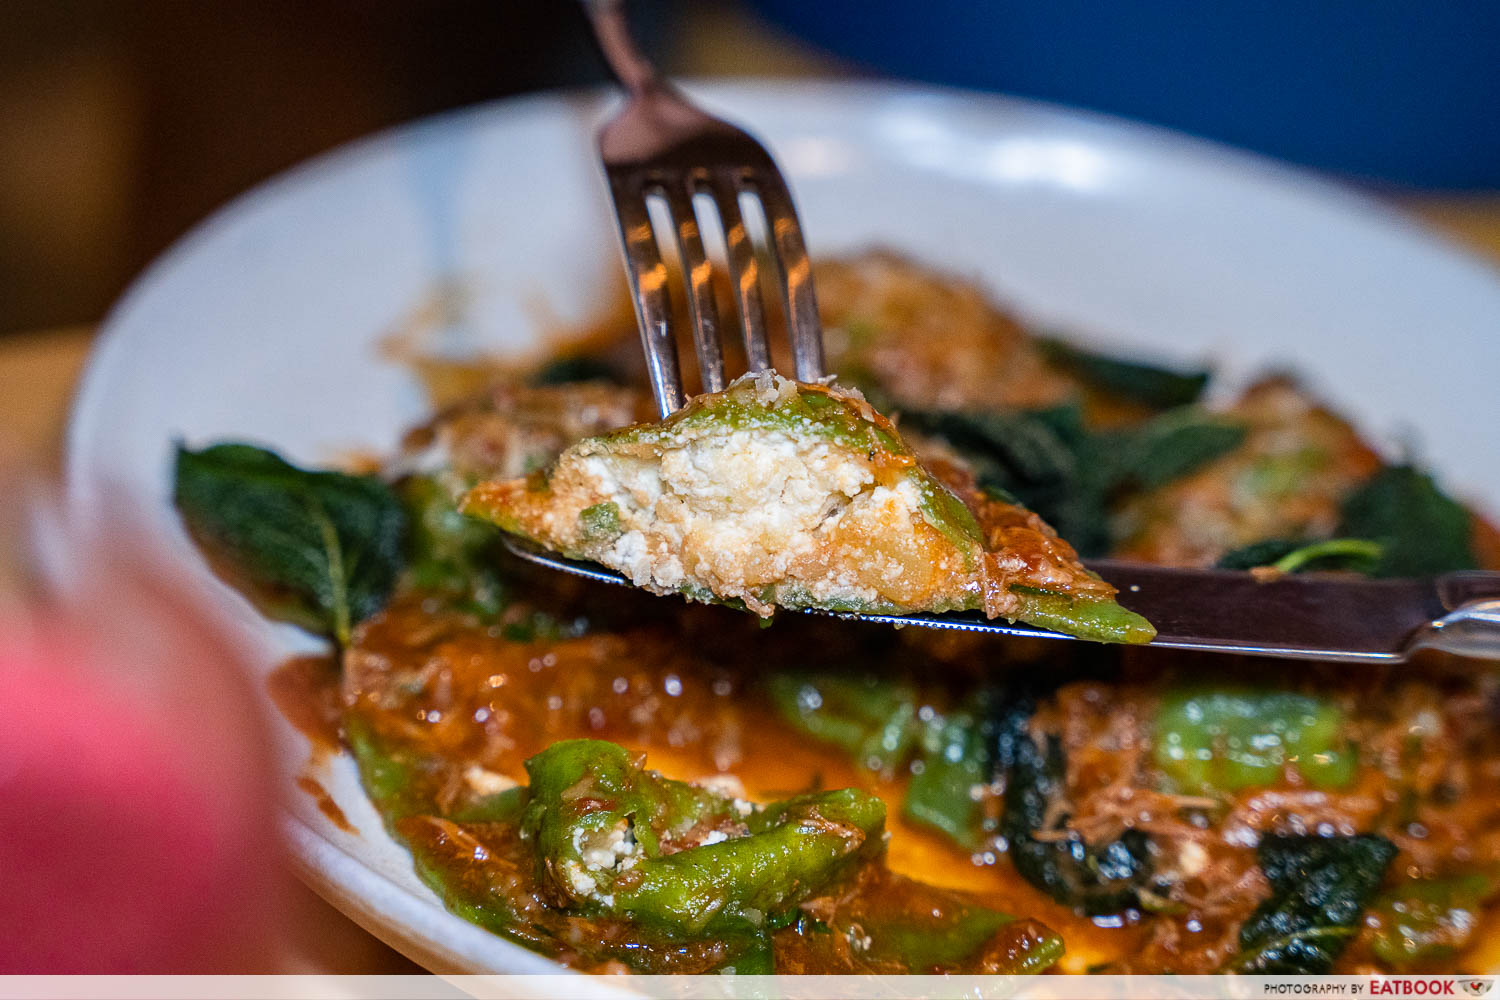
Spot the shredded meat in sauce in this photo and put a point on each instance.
(687, 686)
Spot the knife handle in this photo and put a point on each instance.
(1472, 625)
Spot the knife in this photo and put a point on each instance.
(1309, 616)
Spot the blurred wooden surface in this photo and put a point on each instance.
(38, 371)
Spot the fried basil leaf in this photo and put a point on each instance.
(1166, 447)
(580, 368)
(1041, 459)
(1421, 530)
(1151, 385)
(1319, 888)
(1096, 879)
(1048, 461)
(319, 549)
(1256, 554)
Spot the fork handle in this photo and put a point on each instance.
(633, 70)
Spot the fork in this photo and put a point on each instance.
(660, 146)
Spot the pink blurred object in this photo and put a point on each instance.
(135, 804)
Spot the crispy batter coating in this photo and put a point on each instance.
(782, 493)
(929, 339)
(511, 429)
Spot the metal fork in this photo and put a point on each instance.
(660, 146)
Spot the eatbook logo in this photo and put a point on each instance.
(1476, 987)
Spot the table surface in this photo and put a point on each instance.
(38, 370)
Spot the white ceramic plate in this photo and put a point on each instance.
(262, 324)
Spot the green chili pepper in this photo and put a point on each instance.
(953, 761)
(794, 850)
(1426, 920)
(897, 924)
(1101, 621)
(1224, 741)
(871, 718)
(499, 807)
(390, 775)
(884, 727)
(583, 792)
(958, 940)
(603, 826)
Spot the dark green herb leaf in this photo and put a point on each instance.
(576, 369)
(1421, 530)
(319, 549)
(449, 553)
(1024, 450)
(1262, 553)
(1319, 888)
(1356, 555)
(1049, 462)
(1157, 387)
(1097, 879)
(1353, 555)
(1041, 459)
(1166, 447)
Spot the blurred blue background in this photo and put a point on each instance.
(1402, 91)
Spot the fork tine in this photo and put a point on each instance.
(784, 237)
(648, 283)
(744, 272)
(698, 273)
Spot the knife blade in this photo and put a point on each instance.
(1337, 618)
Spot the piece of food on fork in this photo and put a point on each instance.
(776, 493)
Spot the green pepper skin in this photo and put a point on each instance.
(392, 776)
(868, 717)
(588, 799)
(583, 790)
(954, 759)
(1228, 740)
(945, 943)
(881, 726)
(1093, 619)
(795, 848)
(1427, 920)
(893, 924)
